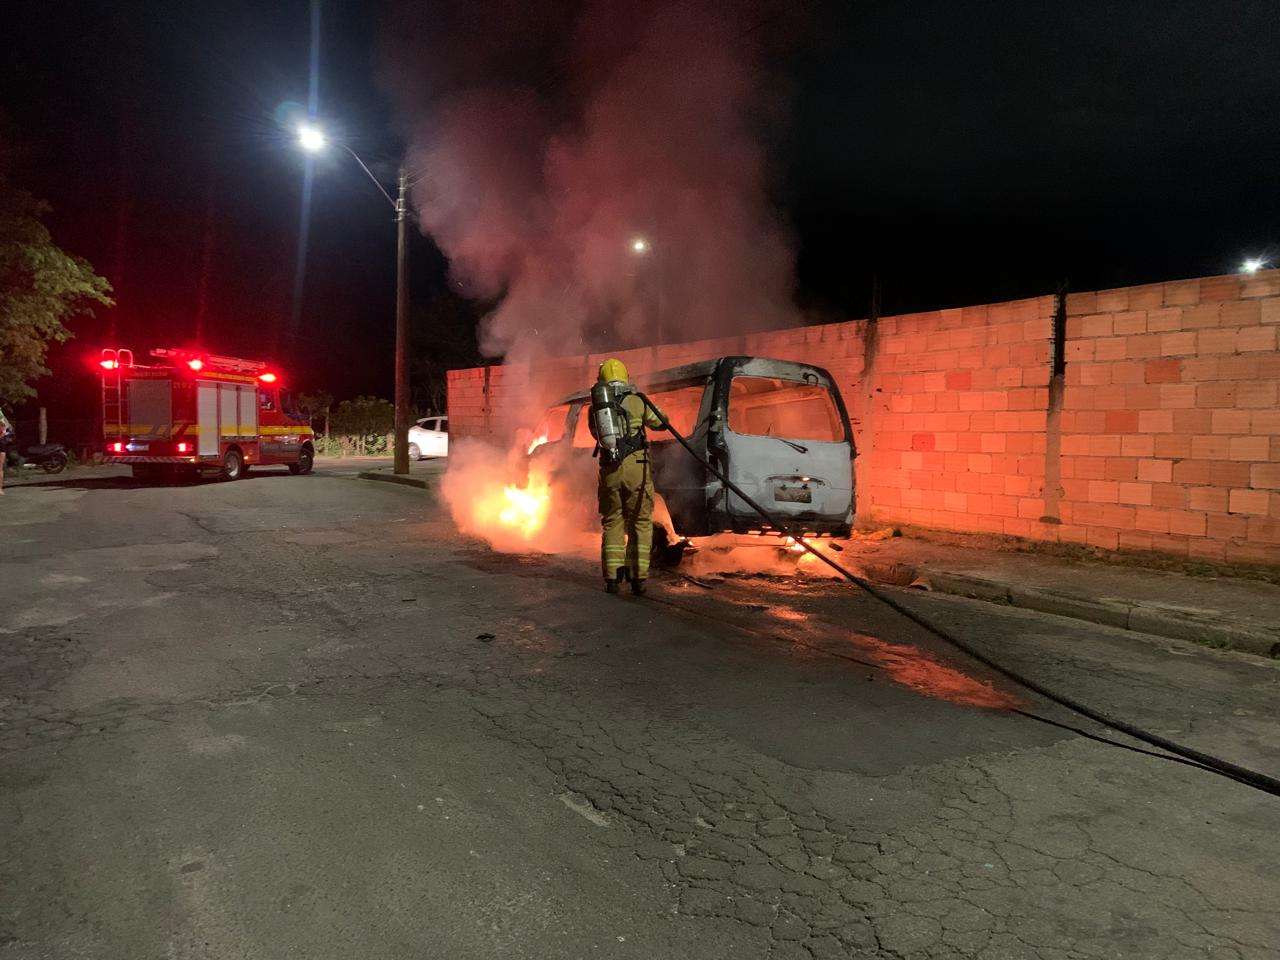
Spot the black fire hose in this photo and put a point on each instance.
(1215, 764)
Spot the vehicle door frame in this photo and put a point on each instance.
(718, 506)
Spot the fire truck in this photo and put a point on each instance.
(192, 413)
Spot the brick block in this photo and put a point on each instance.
(1120, 468)
(1163, 371)
(1230, 421)
(1219, 288)
(1164, 321)
(1211, 448)
(1201, 317)
(1199, 369)
(1133, 540)
(1187, 523)
(1138, 346)
(1253, 339)
(1241, 313)
(1103, 539)
(1135, 445)
(1104, 491)
(1214, 395)
(1152, 521)
(1137, 494)
(1249, 448)
(1216, 340)
(1264, 476)
(1256, 395)
(1193, 421)
(1171, 446)
(1250, 502)
(1169, 496)
(1229, 473)
(1178, 344)
(1155, 421)
(1154, 471)
(1110, 348)
(1181, 293)
(1207, 499)
(1265, 532)
(1104, 445)
(1121, 421)
(1269, 310)
(1124, 324)
(1128, 371)
(1222, 526)
(1265, 422)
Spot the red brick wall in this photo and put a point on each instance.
(1163, 434)
(1171, 431)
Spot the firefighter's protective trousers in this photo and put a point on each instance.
(626, 502)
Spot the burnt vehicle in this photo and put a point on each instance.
(778, 429)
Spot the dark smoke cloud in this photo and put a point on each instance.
(548, 137)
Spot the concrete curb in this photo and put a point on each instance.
(1163, 620)
(418, 482)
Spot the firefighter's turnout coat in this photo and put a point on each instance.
(626, 498)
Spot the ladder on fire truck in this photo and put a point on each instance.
(114, 402)
(209, 362)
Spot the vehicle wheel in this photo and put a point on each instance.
(415, 453)
(55, 464)
(306, 460)
(232, 465)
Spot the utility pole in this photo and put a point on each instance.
(402, 327)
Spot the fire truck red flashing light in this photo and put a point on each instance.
(199, 414)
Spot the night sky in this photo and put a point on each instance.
(962, 153)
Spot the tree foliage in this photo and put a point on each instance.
(41, 287)
(444, 338)
(362, 425)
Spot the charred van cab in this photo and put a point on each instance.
(778, 429)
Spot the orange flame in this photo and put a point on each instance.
(523, 510)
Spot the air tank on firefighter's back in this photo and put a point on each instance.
(607, 416)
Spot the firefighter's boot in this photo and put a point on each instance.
(637, 587)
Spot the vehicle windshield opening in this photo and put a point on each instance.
(786, 409)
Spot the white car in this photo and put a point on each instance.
(429, 437)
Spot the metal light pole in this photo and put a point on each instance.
(312, 139)
(402, 326)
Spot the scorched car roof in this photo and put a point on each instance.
(693, 371)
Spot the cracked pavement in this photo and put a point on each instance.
(303, 717)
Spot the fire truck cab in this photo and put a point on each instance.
(192, 413)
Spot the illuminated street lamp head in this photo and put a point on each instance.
(1252, 265)
(640, 246)
(311, 138)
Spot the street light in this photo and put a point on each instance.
(312, 139)
(1252, 265)
(640, 245)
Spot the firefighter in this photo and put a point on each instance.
(618, 421)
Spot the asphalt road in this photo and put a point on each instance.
(301, 717)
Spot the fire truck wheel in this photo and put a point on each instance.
(232, 465)
(306, 460)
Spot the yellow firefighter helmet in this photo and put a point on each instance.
(613, 371)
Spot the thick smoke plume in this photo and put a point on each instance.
(548, 138)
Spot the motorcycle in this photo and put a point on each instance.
(49, 457)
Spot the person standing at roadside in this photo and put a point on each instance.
(6, 441)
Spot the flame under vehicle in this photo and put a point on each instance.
(778, 429)
(192, 413)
